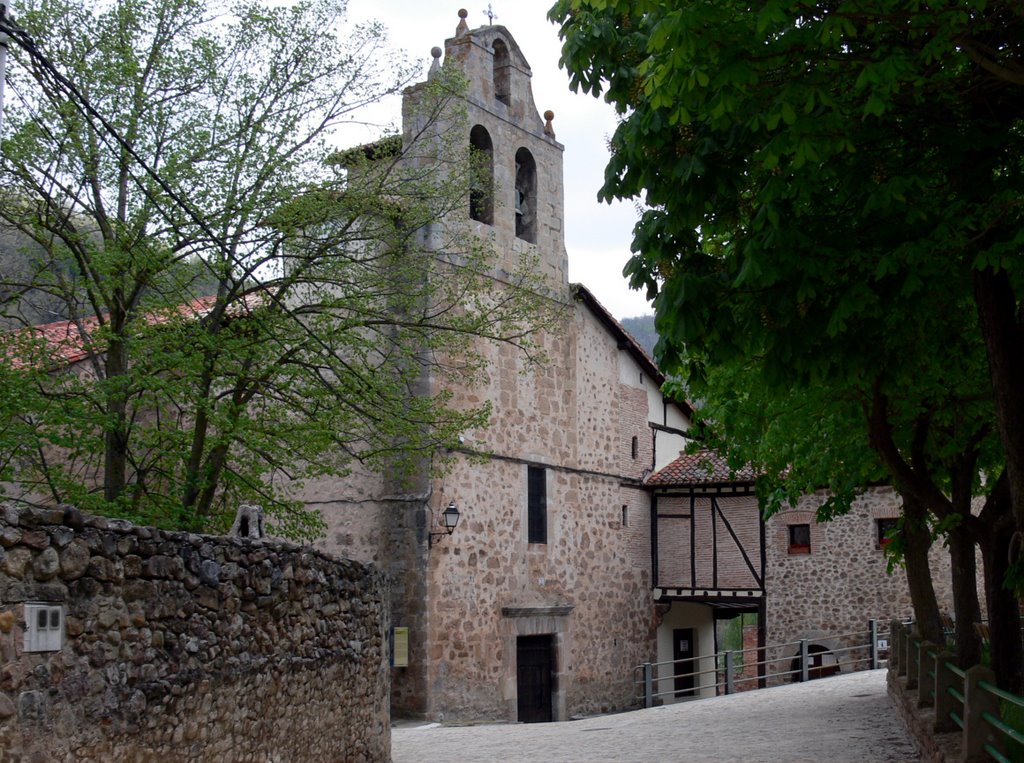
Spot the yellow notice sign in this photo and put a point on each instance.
(399, 647)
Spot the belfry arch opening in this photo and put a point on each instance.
(526, 196)
(481, 189)
(502, 73)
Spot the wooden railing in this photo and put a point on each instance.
(967, 701)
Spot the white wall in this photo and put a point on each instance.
(701, 619)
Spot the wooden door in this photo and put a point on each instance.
(535, 667)
(683, 649)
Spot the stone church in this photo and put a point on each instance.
(586, 543)
(538, 605)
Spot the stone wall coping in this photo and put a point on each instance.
(920, 724)
(69, 516)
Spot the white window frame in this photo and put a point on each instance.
(44, 627)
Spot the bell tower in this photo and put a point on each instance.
(519, 203)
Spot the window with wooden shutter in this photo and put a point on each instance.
(537, 505)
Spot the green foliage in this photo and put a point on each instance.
(1012, 715)
(260, 316)
(821, 181)
(808, 168)
(732, 637)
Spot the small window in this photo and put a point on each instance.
(634, 447)
(886, 528)
(625, 516)
(44, 628)
(537, 505)
(799, 539)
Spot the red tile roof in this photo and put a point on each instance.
(64, 339)
(703, 468)
(66, 345)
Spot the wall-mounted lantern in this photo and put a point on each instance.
(449, 519)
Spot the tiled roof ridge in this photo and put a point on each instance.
(705, 467)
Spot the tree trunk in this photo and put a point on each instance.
(966, 607)
(213, 470)
(917, 540)
(997, 314)
(200, 429)
(1006, 648)
(115, 457)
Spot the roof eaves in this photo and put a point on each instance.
(626, 340)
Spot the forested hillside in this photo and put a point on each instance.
(642, 329)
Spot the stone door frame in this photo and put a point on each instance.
(535, 621)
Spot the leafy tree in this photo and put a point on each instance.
(934, 451)
(157, 148)
(833, 189)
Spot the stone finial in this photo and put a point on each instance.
(463, 27)
(548, 128)
(435, 65)
(248, 522)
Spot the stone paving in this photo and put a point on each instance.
(844, 719)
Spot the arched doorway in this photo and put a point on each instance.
(821, 662)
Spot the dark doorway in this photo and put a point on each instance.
(683, 652)
(535, 668)
(821, 662)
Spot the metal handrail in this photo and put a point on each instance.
(717, 655)
(650, 674)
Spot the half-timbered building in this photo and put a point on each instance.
(715, 556)
(708, 560)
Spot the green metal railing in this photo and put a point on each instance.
(967, 701)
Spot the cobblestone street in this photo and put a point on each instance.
(846, 719)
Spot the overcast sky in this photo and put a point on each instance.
(597, 236)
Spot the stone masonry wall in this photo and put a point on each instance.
(186, 647)
(370, 519)
(589, 584)
(843, 582)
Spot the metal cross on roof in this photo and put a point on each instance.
(491, 15)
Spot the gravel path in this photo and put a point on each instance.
(845, 719)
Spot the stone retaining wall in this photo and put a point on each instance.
(187, 647)
(920, 723)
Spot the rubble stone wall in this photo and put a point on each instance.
(185, 647)
(843, 582)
